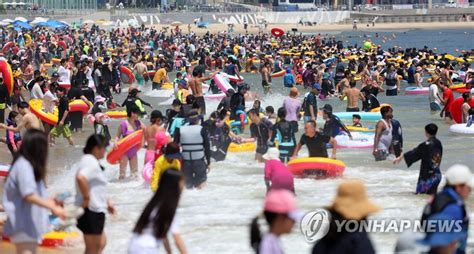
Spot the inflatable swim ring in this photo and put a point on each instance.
(7, 46)
(222, 83)
(242, 147)
(365, 116)
(149, 74)
(316, 167)
(377, 109)
(4, 169)
(36, 107)
(463, 90)
(56, 60)
(216, 97)
(456, 109)
(79, 106)
(148, 171)
(457, 86)
(167, 86)
(128, 73)
(125, 144)
(7, 75)
(232, 78)
(64, 85)
(54, 238)
(417, 90)
(360, 129)
(116, 114)
(461, 129)
(278, 74)
(359, 140)
(277, 32)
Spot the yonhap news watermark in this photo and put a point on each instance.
(316, 224)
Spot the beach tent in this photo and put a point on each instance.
(21, 19)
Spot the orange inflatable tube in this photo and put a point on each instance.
(78, 106)
(36, 107)
(124, 145)
(7, 46)
(128, 73)
(7, 74)
(278, 74)
(316, 167)
(116, 114)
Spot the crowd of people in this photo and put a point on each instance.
(87, 64)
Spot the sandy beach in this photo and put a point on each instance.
(214, 28)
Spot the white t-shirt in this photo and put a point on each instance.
(89, 167)
(146, 243)
(36, 92)
(64, 75)
(48, 105)
(434, 94)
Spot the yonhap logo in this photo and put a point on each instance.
(315, 225)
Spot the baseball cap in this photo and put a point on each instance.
(282, 202)
(327, 108)
(172, 151)
(317, 86)
(458, 174)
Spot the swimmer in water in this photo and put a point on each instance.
(356, 121)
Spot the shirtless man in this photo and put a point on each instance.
(266, 78)
(344, 83)
(195, 83)
(28, 120)
(141, 70)
(353, 95)
(154, 145)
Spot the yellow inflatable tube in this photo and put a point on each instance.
(243, 147)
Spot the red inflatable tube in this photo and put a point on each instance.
(277, 32)
(7, 74)
(278, 74)
(462, 90)
(78, 106)
(124, 145)
(7, 46)
(316, 167)
(127, 72)
(149, 74)
(456, 109)
(65, 85)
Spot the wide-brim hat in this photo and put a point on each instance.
(352, 202)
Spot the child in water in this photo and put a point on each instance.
(280, 213)
(270, 114)
(356, 120)
(101, 128)
(12, 139)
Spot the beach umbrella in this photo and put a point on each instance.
(88, 21)
(64, 22)
(8, 21)
(176, 23)
(21, 19)
(22, 24)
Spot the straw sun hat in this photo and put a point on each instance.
(351, 201)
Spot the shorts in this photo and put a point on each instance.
(352, 109)
(448, 115)
(202, 104)
(430, 185)
(392, 92)
(294, 125)
(195, 172)
(261, 149)
(435, 106)
(265, 84)
(155, 86)
(91, 223)
(61, 130)
(381, 155)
